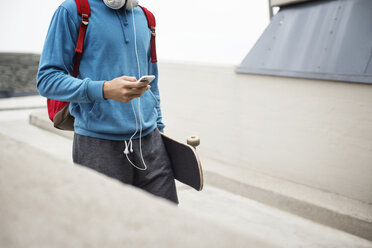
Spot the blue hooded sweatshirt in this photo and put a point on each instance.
(109, 52)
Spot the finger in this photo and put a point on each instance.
(141, 90)
(137, 92)
(142, 84)
(136, 85)
(132, 96)
(144, 87)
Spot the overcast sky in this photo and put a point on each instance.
(204, 31)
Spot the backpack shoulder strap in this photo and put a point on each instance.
(152, 24)
(84, 11)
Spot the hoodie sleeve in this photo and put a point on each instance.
(155, 90)
(54, 78)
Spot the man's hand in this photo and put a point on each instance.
(124, 88)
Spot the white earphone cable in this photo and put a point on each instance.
(126, 151)
(135, 44)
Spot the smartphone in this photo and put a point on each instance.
(147, 78)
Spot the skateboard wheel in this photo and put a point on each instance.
(193, 141)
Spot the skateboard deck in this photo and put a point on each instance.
(185, 162)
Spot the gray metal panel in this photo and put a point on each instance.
(278, 3)
(329, 40)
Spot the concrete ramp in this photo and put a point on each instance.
(46, 202)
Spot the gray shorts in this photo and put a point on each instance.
(107, 157)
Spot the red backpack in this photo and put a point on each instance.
(58, 111)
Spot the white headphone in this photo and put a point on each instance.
(117, 4)
(114, 4)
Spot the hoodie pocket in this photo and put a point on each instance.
(153, 96)
(148, 108)
(94, 108)
(109, 116)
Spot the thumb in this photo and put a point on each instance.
(130, 79)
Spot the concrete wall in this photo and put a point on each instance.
(18, 74)
(311, 132)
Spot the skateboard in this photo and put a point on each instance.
(185, 161)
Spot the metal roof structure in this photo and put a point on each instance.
(324, 39)
(279, 3)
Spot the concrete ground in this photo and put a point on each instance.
(212, 204)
